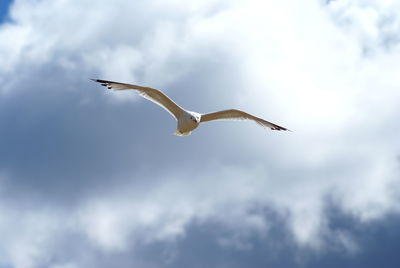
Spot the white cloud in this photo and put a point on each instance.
(302, 65)
(27, 236)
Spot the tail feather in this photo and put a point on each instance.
(178, 133)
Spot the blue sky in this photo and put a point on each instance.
(95, 178)
(4, 5)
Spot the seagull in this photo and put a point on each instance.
(187, 120)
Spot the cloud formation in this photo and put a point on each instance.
(87, 180)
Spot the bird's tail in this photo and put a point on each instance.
(178, 133)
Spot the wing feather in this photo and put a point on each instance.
(234, 114)
(149, 93)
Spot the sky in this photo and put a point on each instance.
(4, 4)
(96, 178)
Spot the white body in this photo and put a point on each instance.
(187, 122)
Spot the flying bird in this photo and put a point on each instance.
(187, 120)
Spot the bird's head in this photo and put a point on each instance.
(195, 117)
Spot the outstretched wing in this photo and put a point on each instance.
(238, 115)
(151, 94)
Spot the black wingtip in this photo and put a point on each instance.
(280, 128)
(284, 129)
(102, 82)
